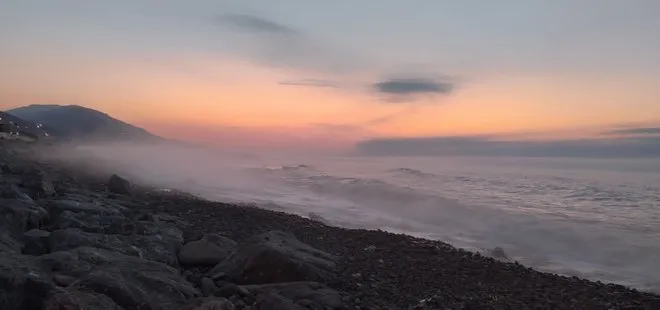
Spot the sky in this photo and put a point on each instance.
(335, 74)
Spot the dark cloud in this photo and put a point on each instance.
(635, 131)
(311, 83)
(398, 90)
(412, 86)
(256, 24)
(277, 45)
(488, 146)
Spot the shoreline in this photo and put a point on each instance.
(375, 269)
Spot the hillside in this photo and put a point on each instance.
(12, 126)
(77, 122)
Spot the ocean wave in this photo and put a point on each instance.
(410, 171)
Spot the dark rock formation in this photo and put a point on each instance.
(210, 250)
(308, 295)
(35, 242)
(276, 257)
(118, 185)
(154, 248)
(23, 285)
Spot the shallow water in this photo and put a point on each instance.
(598, 219)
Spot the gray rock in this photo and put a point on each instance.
(38, 185)
(18, 216)
(23, 285)
(130, 282)
(8, 243)
(310, 295)
(35, 242)
(77, 299)
(118, 185)
(88, 206)
(156, 247)
(276, 302)
(208, 286)
(210, 250)
(5, 169)
(11, 191)
(210, 303)
(277, 257)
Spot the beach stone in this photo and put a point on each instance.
(37, 184)
(209, 303)
(23, 285)
(9, 190)
(8, 243)
(276, 302)
(5, 169)
(210, 250)
(35, 242)
(79, 300)
(75, 203)
(18, 216)
(154, 248)
(277, 257)
(309, 295)
(118, 185)
(131, 282)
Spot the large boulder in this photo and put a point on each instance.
(155, 247)
(276, 257)
(210, 250)
(9, 244)
(118, 185)
(87, 206)
(209, 303)
(131, 282)
(89, 222)
(63, 298)
(296, 295)
(18, 216)
(35, 242)
(38, 184)
(23, 285)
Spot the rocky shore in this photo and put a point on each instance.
(73, 238)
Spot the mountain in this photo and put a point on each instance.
(12, 126)
(77, 122)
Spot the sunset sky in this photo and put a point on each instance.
(332, 73)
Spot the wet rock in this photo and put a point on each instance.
(228, 289)
(118, 185)
(5, 169)
(8, 243)
(277, 257)
(131, 282)
(23, 285)
(35, 242)
(276, 302)
(77, 299)
(86, 206)
(208, 286)
(9, 190)
(210, 303)
(154, 248)
(18, 216)
(38, 185)
(210, 250)
(311, 295)
(89, 222)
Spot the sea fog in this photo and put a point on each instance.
(594, 218)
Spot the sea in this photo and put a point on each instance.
(593, 218)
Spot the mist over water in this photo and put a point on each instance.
(594, 218)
